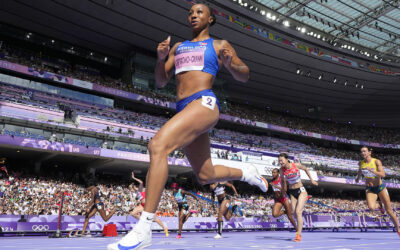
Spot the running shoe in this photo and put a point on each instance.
(298, 238)
(73, 233)
(178, 236)
(135, 239)
(252, 177)
(166, 232)
(88, 234)
(218, 236)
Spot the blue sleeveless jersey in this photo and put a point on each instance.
(199, 56)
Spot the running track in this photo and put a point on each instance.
(231, 240)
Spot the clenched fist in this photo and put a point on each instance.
(163, 48)
(226, 57)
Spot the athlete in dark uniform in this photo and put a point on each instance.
(95, 205)
(224, 202)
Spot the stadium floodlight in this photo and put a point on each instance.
(286, 23)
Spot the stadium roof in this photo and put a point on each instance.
(374, 24)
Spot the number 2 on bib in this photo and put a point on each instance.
(209, 102)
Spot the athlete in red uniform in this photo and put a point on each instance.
(281, 200)
(290, 172)
(141, 197)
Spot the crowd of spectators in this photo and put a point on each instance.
(42, 62)
(32, 195)
(22, 194)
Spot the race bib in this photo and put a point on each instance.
(368, 174)
(209, 102)
(302, 189)
(188, 61)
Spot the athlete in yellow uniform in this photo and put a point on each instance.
(373, 172)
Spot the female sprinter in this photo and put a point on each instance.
(95, 205)
(373, 172)
(298, 194)
(183, 206)
(141, 197)
(225, 210)
(196, 64)
(279, 199)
